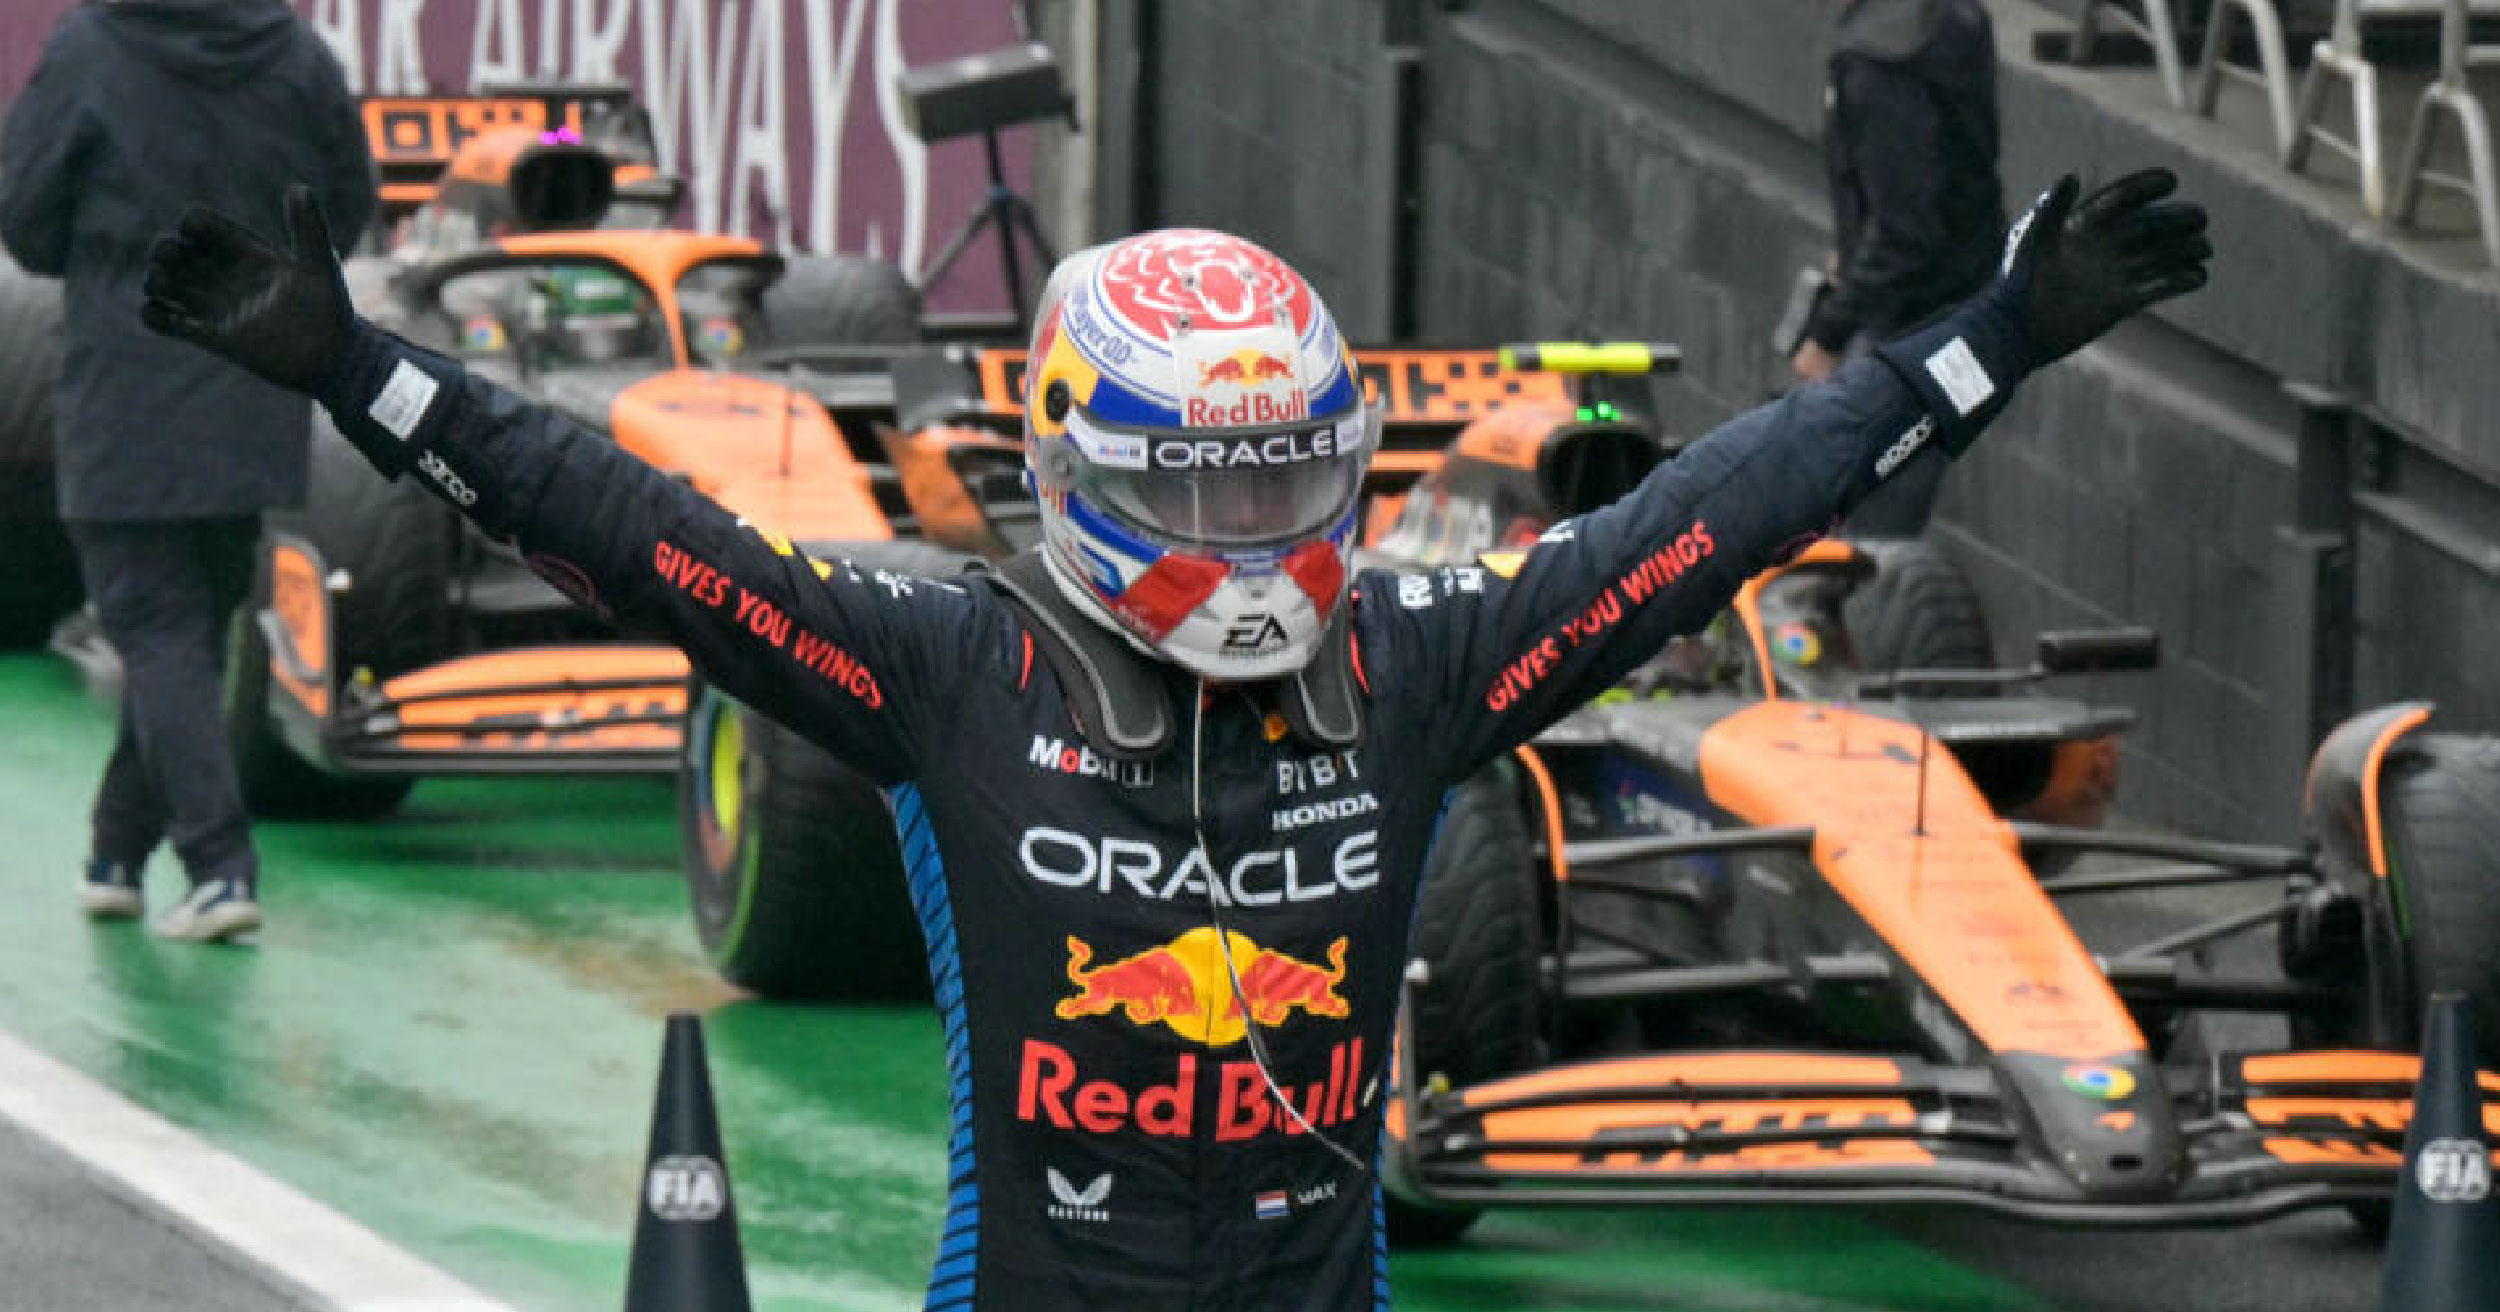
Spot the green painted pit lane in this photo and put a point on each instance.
(450, 1030)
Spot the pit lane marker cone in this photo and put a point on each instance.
(687, 1257)
(2443, 1254)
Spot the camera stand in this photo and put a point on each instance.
(1007, 213)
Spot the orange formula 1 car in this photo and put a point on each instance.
(1780, 921)
(391, 640)
(1776, 924)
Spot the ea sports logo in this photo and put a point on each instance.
(685, 1189)
(1255, 633)
(2453, 1171)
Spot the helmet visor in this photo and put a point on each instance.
(1230, 488)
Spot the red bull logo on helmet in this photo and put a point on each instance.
(1242, 368)
(1217, 405)
(1240, 379)
(1187, 987)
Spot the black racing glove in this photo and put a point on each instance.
(2073, 271)
(282, 315)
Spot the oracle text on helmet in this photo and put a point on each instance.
(1247, 453)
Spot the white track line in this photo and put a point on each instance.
(313, 1251)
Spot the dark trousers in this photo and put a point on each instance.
(165, 591)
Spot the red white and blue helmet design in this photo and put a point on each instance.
(1198, 435)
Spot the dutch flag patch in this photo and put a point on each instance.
(1270, 1206)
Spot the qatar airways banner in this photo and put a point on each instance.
(781, 115)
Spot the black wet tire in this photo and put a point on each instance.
(791, 857)
(1918, 613)
(1479, 930)
(825, 300)
(2442, 800)
(797, 879)
(2434, 926)
(396, 544)
(40, 582)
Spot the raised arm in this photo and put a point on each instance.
(836, 652)
(1512, 644)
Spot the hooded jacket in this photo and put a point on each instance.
(1911, 146)
(139, 110)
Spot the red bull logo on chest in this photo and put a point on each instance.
(1053, 1088)
(1187, 986)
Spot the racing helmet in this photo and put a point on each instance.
(1197, 436)
(596, 315)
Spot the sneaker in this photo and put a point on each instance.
(110, 891)
(215, 910)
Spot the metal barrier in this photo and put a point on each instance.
(2452, 95)
(2273, 74)
(2341, 56)
(2151, 25)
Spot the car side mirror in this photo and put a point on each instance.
(2100, 651)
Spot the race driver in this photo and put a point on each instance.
(1165, 785)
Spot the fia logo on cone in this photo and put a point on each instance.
(686, 1255)
(2443, 1249)
(685, 1189)
(2453, 1171)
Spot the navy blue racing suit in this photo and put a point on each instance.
(1114, 1144)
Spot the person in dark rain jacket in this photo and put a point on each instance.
(1910, 141)
(138, 110)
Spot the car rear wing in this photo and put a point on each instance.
(962, 406)
(1426, 395)
(415, 138)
